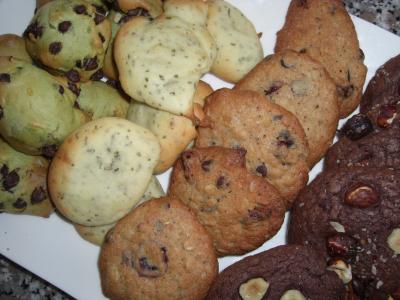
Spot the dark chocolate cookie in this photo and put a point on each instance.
(284, 272)
(352, 215)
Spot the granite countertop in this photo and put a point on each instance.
(17, 283)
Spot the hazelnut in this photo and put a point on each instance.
(386, 115)
(341, 245)
(393, 241)
(254, 289)
(361, 196)
(293, 295)
(341, 268)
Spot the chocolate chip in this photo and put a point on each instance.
(100, 9)
(206, 165)
(302, 51)
(20, 204)
(73, 75)
(303, 3)
(1, 112)
(259, 213)
(345, 91)
(285, 139)
(221, 182)
(102, 38)
(49, 151)
(55, 48)
(4, 170)
(356, 127)
(78, 64)
(138, 12)
(164, 254)
(362, 55)
(74, 88)
(10, 180)
(61, 89)
(262, 169)
(80, 9)
(35, 29)
(273, 88)
(145, 265)
(38, 195)
(99, 19)
(90, 64)
(76, 105)
(5, 77)
(98, 75)
(64, 26)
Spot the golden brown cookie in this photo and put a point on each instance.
(275, 141)
(13, 45)
(302, 86)
(324, 30)
(239, 210)
(158, 251)
(151, 8)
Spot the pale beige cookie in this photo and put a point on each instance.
(151, 7)
(323, 29)
(160, 62)
(275, 141)
(101, 170)
(13, 45)
(303, 87)
(238, 44)
(158, 251)
(96, 234)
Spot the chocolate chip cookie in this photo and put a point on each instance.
(158, 251)
(239, 210)
(352, 216)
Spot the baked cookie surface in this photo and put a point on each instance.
(275, 142)
(324, 30)
(13, 45)
(239, 210)
(303, 87)
(352, 216)
(285, 272)
(158, 251)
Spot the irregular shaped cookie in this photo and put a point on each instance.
(274, 139)
(238, 44)
(352, 216)
(36, 111)
(284, 272)
(239, 210)
(100, 100)
(303, 87)
(13, 45)
(152, 8)
(70, 37)
(324, 30)
(96, 234)
(99, 4)
(160, 62)
(173, 132)
(101, 170)
(158, 251)
(23, 183)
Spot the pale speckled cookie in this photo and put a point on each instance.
(238, 44)
(158, 251)
(324, 30)
(239, 210)
(160, 62)
(96, 234)
(275, 141)
(23, 188)
(302, 86)
(101, 171)
(153, 8)
(13, 45)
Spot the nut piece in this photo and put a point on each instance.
(393, 241)
(337, 226)
(254, 289)
(341, 245)
(386, 116)
(341, 268)
(361, 196)
(293, 295)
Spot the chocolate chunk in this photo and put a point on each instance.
(345, 91)
(73, 75)
(64, 26)
(99, 19)
(1, 112)
(55, 48)
(61, 89)
(98, 75)
(10, 180)
(341, 245)
(102, 38)
(35, 29)
(285, 139)
(90, 64)
(302, 51)
(78, 64)
(5, 77)
(100, 9)
(221, 182)
(49, 151)
(356, 127)
(38, 195)
(262, 169)
(138, 12)
(206, 165)
(275, 87)
(80, 9)
(76, 105)
(20, 203)
(4, 170)
(145, 265)
(259, 213)
(74, 88)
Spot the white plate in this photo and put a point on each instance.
(52, 249)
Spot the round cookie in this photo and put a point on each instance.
(56, 30)
(42, 111)
(285, 272)
(303, 87)
(99, 4)
(324, 30)
(276, 145)
(352, 216)
(158, 251)
(101, 171)
(151, 8)
(13, 45)
(239, 210)
(23, 188)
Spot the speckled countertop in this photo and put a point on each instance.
(17, 283)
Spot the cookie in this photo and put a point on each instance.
(151, 8)
(275, 142)
(99, 4)
(101, 171)
(145, 50)
(58, 27)
(23, 187)
(352, 216)
(285, 272)
(41, 113)
(239, 210)
(13, 45)
(238, 44)
(324, 30)
(158, 251)
(303, 87)
(96, 234)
